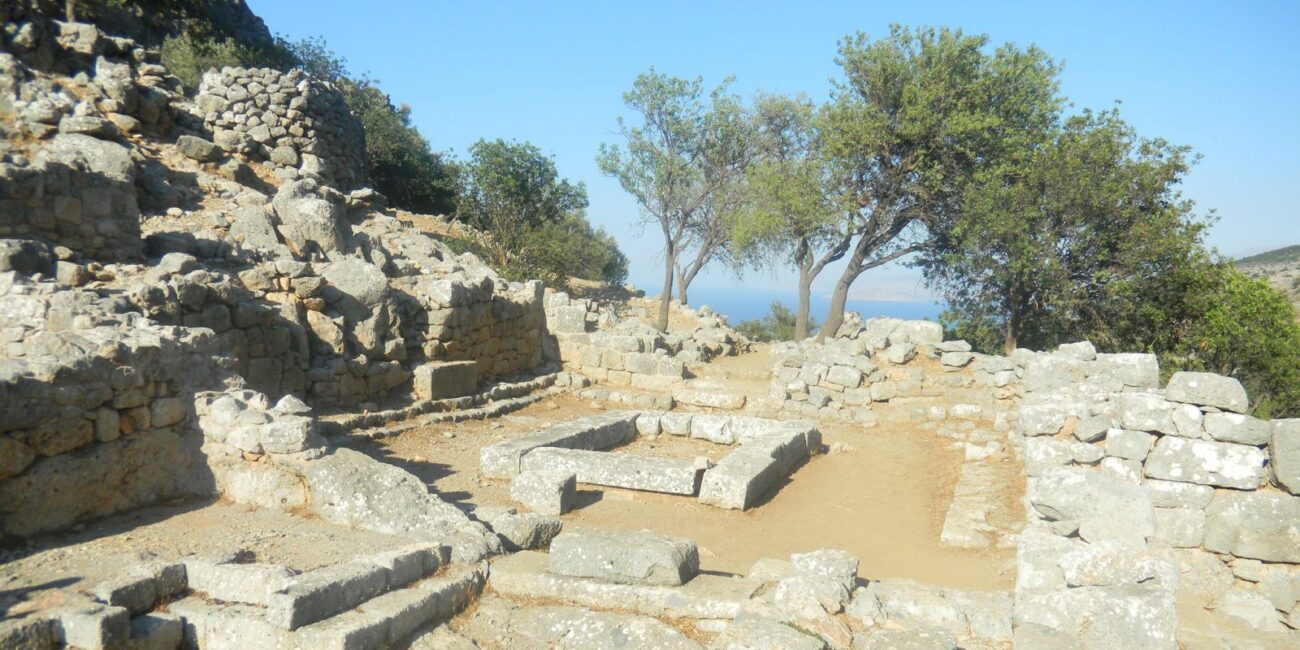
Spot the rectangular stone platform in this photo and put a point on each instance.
(667, 475)
(525, 575)
(603, 431)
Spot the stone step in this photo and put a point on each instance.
(613, 469)
(525, 575)
(596, 432)
(325, 592)
(384, 621)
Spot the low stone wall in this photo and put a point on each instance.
(1132, 486)
(96, 411)
(287, 119)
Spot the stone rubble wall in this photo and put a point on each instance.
(95, 409)
(1140, 496)
(852, 377)
(67, 172)
(592, 340)
(286, 119)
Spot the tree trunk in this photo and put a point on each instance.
(682, 285)
(70, 9)
(805, 296)
(835, 317)
(666, 296)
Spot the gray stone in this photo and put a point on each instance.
(253, 228)
(667, 475)
(1092, 429)
(1131, 445)
(309, 222)
(810, 596)
(30, 633)
(1238, 428)
(527, 531)
(844, 376)
(156, 631)
(198, 149)
(1172, 494)
(904, 639)
(1144, 412)
(322, 593)
(709, 398)
(835, 564)
(1256, 525)
(1132, 369)
(227, 581)
(574, 628)
(900, 353)
(624, 557)
(707, 596)
(1208, 389)
(26, 256)
(551, 493)
(1189, 421)
(1207, 463)
(1071, 494)
(1083, 350)
(918, 332)
(92, 627)
(1042, 419)
(749, 632)
(502, 460)
(1284, 449)
(445, 379)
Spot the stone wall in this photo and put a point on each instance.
(287, 119)
(879, 363)
(96, 410)
(67, 173)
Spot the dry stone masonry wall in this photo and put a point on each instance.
(287, 119)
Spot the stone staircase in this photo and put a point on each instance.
(376, 601)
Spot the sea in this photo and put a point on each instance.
(748, 304)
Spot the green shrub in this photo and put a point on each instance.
(188, 57)
(777, 325)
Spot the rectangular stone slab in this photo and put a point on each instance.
(597, 432)
(668, 475)
(624, 557)
(742, 477)
(707, 596)
(1221, 464)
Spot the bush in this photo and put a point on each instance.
(777, 325)
(1242, 328)
(188, 57)
(568, 248)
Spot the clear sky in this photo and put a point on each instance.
(1223, 77)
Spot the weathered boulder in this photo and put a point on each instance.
(198, 149)
(311, 224)
(443, 379)
(1078, 495)
(1208, 389)
(1238, 428)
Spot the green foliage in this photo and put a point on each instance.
(681, 161)
(533, 219)
(1062, 242)
(402, 164)
(1245, 329)
(916, 116)
(188, 57)
(777, 325)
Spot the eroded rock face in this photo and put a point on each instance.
(312, 225)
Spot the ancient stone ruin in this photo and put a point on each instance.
(244, 405)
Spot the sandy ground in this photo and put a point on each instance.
(883, 498)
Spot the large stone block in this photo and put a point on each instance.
(1238, 428)
(1080, 495)
(625, 557)
(1145, 412)
(445, 379)
(1284, 448)
(1255, 525)
(667, 475)
(1205, 462)
(551, 493)
(1208, 389)
(502, 460)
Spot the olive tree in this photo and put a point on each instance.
(683, 154)
(915, 116)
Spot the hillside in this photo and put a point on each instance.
(1280, 268)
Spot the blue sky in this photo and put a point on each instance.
(1221, 77)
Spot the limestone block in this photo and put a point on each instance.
(1130, 445)
(1238, 428)
(445, 379)
(502, 460)
(1144, 412)
(547, 492)
(1284, 448)
(612, 469)
(1208, 389)
(1258, 525)
(1204, 462)
(625, 557)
